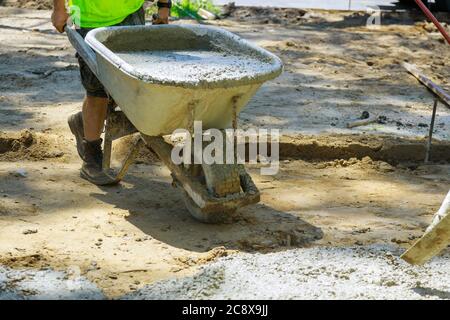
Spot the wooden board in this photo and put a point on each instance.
(433, 241)
(433, 87)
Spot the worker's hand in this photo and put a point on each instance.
(59, 19)
(162, 17)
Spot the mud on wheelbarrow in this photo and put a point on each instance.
(155, 104)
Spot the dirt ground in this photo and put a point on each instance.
(336, 187)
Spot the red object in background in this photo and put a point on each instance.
(433, 19)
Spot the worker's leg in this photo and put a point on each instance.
(87, 126)
(94, 115)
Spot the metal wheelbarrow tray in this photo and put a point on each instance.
(157, 101)
(156, 76)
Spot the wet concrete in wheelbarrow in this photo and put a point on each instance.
(369, 272)
(195, 66)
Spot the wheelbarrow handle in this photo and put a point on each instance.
(83, 49)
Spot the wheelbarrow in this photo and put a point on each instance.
(155, 104)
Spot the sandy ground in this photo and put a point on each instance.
(334, 189)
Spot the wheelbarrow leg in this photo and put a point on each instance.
(107, 144)
(118, 126)
(107, 149)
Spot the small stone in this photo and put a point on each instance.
(30, 231)
(386, 167)
(367, 160)
(398, 241)
(365, 115)
(290, 44)
(20, 173)
(390, 283)
(321, 165)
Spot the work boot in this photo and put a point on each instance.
(91, 169)
(75, 122)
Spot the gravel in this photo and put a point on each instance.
(371, 272)
(374, 272)
(45, 285)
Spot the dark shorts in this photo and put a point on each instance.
(93, 86)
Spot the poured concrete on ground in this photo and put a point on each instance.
(45, 285)
(373, 272)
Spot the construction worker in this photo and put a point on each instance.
(88, 125)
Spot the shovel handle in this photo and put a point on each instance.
(83, 49)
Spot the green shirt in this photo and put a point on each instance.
(102, 13)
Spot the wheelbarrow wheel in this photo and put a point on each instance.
(221, 181)
(216, 217)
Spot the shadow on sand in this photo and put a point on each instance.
(157, 209)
